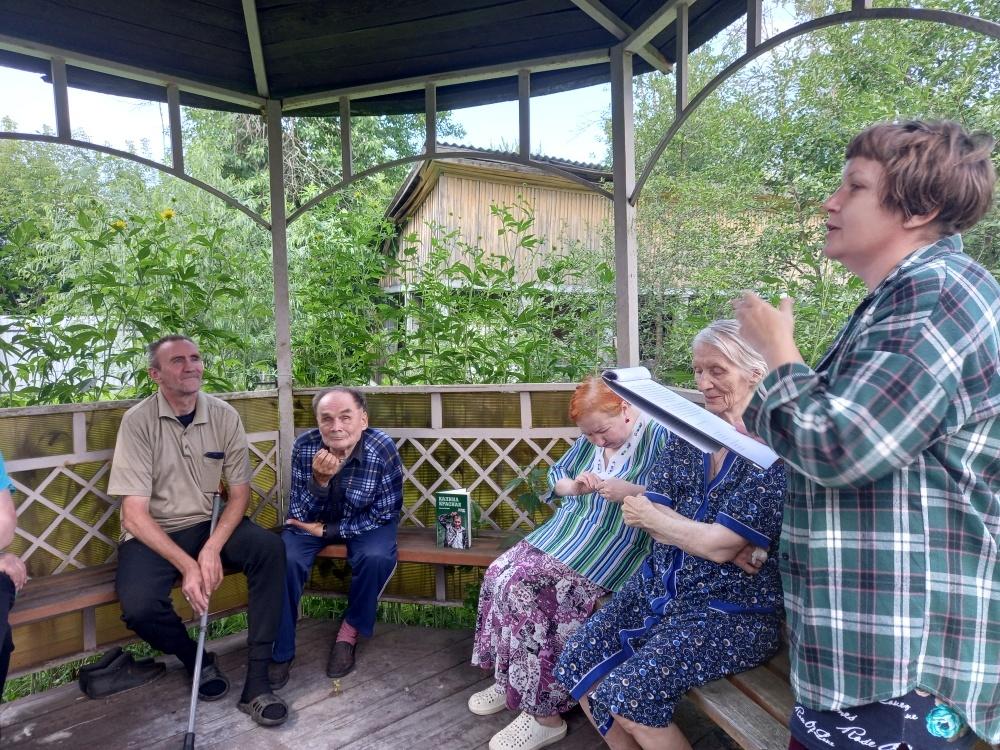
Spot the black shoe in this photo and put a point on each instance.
(277, 673)
(341, 659)
(213, 684)
(117, 672)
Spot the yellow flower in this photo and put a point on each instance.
(119, 225)
(167, 214)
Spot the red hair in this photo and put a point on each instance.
(592, 395)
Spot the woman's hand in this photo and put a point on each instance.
(639, 512)
(769, 330)
(310, 527)
(616, 490)
(588, 482)
(14, 567)
(750, 559)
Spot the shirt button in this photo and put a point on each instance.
(784, 555)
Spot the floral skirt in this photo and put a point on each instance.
(529, 606)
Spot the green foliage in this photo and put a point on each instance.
(534, 483)
(465, 315)
(735, 201)
(121, 280)
(472, 318)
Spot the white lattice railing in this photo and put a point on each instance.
(68, 521)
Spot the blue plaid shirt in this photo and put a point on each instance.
(371, 481)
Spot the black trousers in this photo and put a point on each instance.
(6, 642)
(144, 580)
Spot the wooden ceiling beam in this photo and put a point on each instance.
(256, 48)
(622, 31)
(657, 22)
(484, 73)
(129, 72)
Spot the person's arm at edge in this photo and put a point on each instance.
(10, 563)
(8, 519)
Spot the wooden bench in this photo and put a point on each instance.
(752, 707)
(85, 590)
(418, 546)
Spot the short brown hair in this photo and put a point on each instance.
(359, 398)
(931, 165)
(592, 395)
(153, 348)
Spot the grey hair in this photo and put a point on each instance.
(724, 335)
(154, 348)
(359, 398)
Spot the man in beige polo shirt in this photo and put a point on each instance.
(173, 450)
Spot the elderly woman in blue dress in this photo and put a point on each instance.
(690, 614)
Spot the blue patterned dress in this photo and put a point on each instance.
(682, 621)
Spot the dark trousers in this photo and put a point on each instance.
(6, 641)
(145, 578)
(372, 557)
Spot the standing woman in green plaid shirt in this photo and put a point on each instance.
(889, 552)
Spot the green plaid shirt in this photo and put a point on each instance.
(889, 552)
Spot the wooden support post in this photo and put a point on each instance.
(176, 134)
(282, 326)
(437, 416)
(79, 432)
(755, 22)
(345, 138)
(623, 156)
(430, 118)
(524, 114)
(526, 418)
(89, 629)
(60, 91)
(681, 63)
(440, 584)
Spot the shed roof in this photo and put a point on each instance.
(312, 51)
(424, 175)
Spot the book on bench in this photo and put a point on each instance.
(684, 418)
(453, 510)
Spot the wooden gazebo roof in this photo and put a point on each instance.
(232, 54)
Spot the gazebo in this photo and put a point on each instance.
(310, 58)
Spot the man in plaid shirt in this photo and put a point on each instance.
(889, 551)
(347, 487)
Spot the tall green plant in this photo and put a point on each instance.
(128, 280)
(470, 318)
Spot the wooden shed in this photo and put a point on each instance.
(456, 194)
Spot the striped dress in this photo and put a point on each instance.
(587, 532)
(539, 592)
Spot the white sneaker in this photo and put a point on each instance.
(488, 701)
(524, 733)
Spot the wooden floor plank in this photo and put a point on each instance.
(409, 691)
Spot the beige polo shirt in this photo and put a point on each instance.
(174, 466)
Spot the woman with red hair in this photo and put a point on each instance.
(539, 592)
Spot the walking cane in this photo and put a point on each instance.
(202, 627)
